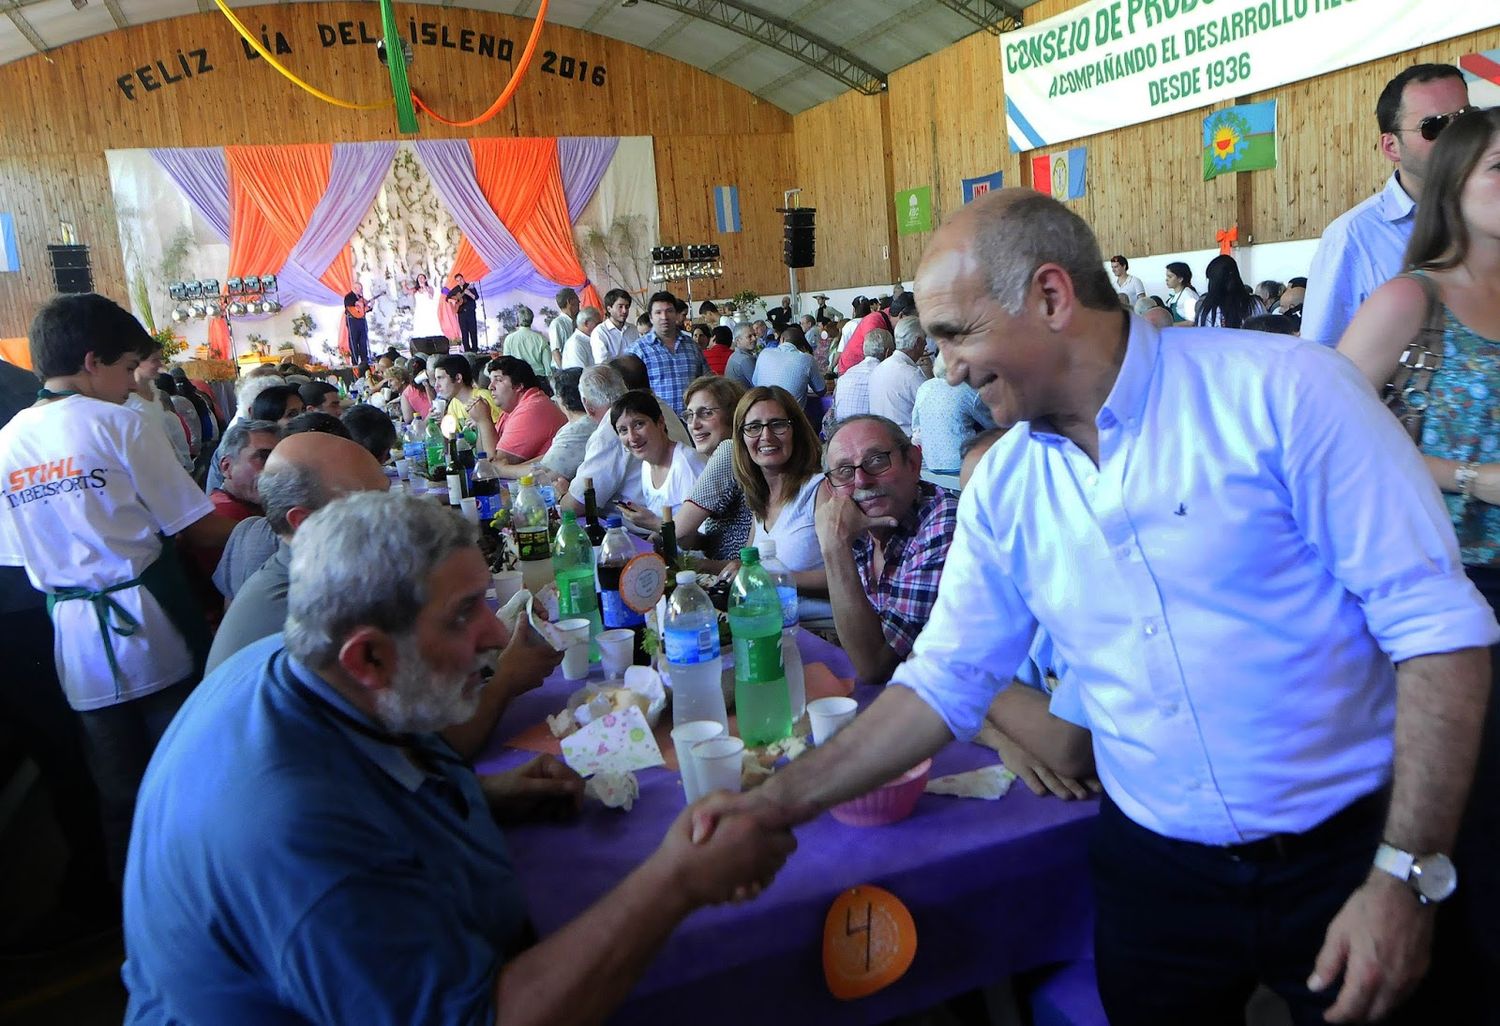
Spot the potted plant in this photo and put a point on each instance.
(746, 302)
(171, 343)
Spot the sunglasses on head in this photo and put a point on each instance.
(1432, 126)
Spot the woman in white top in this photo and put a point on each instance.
(424, 310)
(1182, 298)
(778, 463)
(668, 470)
(1227, 303)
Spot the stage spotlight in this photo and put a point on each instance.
(214, 310)
(180, 314)
(210, 286)
(236, 309)
(234, 284)
(270, 306)
(177, 290)
(198, 310)
(191, 290)
(268, 281)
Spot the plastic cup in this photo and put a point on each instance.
(684, 737)
(616, 651)
(507, 583)
(574, 636)
(470, 508)
(718, 764)
(403, 469)
(828, 716)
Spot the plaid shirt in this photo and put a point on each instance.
(670, 371)
(908, 585)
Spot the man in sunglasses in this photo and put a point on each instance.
(885, 534)
(1363, 247)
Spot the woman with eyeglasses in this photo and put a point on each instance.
(668, 470)
(778, 463)
(715, 518)
(1453, 261)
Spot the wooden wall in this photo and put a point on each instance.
(1145, 193)
(63, 115)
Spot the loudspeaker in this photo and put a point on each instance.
(797, 247)
(70, 268)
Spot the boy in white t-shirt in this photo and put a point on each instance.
(89, 499)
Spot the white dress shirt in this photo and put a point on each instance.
(1361, 250)
(893, 388)
(559, 331)
(609, 341)
(577, 351)
(1229, 586)
(1131, 286)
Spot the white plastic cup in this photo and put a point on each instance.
(470, 508)
(507, 583)
(616, 651)
(403, 469)
(828, 716)
(573, 635)
(684, 737)
(718, 762)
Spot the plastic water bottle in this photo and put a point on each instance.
(693, 663)
(796, 678)
(786, 584)
(486, 489)
(760, 693)
(436, 444)
(528, 516)
(573, 562)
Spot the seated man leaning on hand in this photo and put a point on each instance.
(333, 859)
(885, 534)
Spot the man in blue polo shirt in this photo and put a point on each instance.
(309, 847)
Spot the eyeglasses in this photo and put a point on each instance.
(875, 464)
(1432, 126)
(779, 426)
(704, 412)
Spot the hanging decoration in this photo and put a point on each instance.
(286, 72)
(510, 87)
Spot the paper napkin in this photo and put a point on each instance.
(617, 743)
(990, 782)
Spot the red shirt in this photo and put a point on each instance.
(526, 432)
(227, 505)
(854, 352)
(717, 357)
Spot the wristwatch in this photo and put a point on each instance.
(1432, 877)
(1465, 476)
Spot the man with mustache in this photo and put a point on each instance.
(885, 534)
(314, 843)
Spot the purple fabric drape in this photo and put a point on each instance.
(583, 159)
(203, 177)
(354, 178)
(450, 162)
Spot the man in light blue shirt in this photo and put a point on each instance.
(1230, 542)
(789, 366)
(1365, 246)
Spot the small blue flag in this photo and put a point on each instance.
(10, 258)
(976, 187)
(727, 208)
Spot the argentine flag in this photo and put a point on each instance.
(727, 207)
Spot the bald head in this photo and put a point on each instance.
(1159, 316)
(308, 471)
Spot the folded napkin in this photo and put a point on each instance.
(990, 782)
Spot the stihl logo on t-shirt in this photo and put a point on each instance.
(57, 477)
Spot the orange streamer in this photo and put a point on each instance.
(510, 87)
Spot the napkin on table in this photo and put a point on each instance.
(989, 782)
(617, 743)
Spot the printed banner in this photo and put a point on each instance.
(914, 210)
(1482, 72)
(1110, 63)
(976, 187)
(1239, 138)
(10, 255)
(727, 208)
(1060, 175)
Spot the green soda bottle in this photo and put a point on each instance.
(760, 693)
(573, 562)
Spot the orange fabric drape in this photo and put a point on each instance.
(468, 262)
(522, 181)
(16, 351)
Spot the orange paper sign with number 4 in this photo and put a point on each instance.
(869, 941)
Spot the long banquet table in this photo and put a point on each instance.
(995, 888)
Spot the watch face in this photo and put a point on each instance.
(1435, 877)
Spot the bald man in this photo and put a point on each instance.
(1255, 588)
(302, 475)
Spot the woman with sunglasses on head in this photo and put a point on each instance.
(1453, 262)
(715, 517)
(778, 464)
(668, 469)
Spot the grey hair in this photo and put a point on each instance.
(1014, 239)
(249, 388)
(525, 315)
(238, 435)
(742, 330)
(284, 485)
(908, 334)
(333, 590)
(600, 386)
(879, 343)
(899, 437)
(1143, 304)
(590, 313)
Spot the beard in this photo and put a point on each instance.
(421, 699)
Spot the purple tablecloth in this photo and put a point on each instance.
(995, 888)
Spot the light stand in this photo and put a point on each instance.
(202, 298)
(684, 263)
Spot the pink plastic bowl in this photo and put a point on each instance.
(889, 804)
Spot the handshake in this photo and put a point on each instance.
(726, 847)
